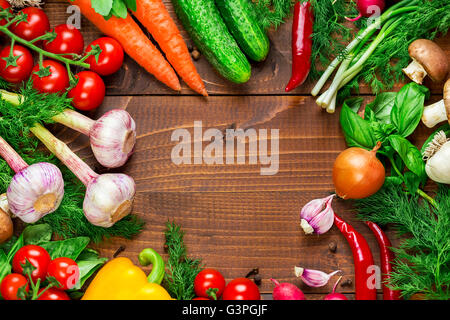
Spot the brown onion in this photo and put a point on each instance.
(357, 173)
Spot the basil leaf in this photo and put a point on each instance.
(131, 4)
(412, 181)
(88, 262)
(410, 155)
(119, 9)
(408, 108)
(102, 7)
(5, 265)
(70, 248)
(393, 180)
(357, 131)
(382, 106)
(354, 103)
(37, 234)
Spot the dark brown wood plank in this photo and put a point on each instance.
(268, 77)
(234, 218)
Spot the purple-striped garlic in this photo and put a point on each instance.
(35, 190)
(112, 136)
(313, 278)
(109, 197)
(317, 216)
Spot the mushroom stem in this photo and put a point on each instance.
(434, 114)
(415, 71)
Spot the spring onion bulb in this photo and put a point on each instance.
(35, 190)
(112, 137)
(109, 197)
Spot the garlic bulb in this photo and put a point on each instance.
(317, 216)
(35, 191)
(109, 198)
(313, 278)
(437, 156)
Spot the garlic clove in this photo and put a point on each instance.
(317, 216)
(313, 278)
(109, 198)
(35, 191)
(113, 138)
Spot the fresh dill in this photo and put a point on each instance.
(272, 13)
(181, 270)
(422, 263)
(68, 220)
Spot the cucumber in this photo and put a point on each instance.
(203, 22)
(241, 21)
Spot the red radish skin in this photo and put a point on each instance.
(335, 295)
(286, 291)
(368, 8)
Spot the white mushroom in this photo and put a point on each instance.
(427, 59)
(439, 111)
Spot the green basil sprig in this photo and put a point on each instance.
(117, 8)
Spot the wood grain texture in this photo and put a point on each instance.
(235, 219)
(268, 77)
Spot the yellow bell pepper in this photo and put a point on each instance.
(120, 279)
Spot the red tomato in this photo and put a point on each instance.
(65, 271)
(53, 294)
(68, 40)
(24, 64)
(4, 5)
(207, 281)
(241, 289)
(111, 58)
(37, 256)
(11, 284)
(201, 298)
(57, 81)
(37, 24)
(89, 92)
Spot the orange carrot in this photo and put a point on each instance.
(134, 42)
(155, 17)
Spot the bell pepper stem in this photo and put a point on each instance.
(149, 256)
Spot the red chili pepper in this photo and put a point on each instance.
(362, 258)
(302, 29)
(386, 257)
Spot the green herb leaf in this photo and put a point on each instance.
(119, 9)
(382, 106)
(412, 181)
(408, 108)
(102, 7)
(70, 248)
(409, 153)
(357, 131)
(37, 234)
(131, 4)
(88, 262)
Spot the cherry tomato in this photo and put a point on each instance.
(209, 283)
(65, 271)
(68, 40)
(37, 256)
(89, 92)
(37, 24)
(4, 5)
(201, 298)
(57, 81)
(53, 294)
(24, 64)
(110, 59)
(11, 284)
(241, 289)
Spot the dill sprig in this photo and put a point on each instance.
(68, 220)
(272, 13)
(181, 270)
(422, 263)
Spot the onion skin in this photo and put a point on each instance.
(357, 173)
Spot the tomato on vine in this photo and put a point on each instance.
(109, 60)
(51, 77)
(52, 294)
(3, 5)
(37, 24)
(89, 91)
(241, 289)
(15, 64)
(68, 40)
(11, 286)
(37, 256)
(65, 271)
(209, 283)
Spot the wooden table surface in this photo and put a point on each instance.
(235, 219)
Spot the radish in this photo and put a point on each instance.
(335, 295)
(368, 8)
(286, 291)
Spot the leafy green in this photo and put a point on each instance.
(117, 8)
(409, 153)
(356, 130)
(88, 262)
(422, 263)
(271, 13)
(382, 106)
(37, 234)
(181, 270)
(70, 248)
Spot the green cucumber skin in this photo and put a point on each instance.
(203, 22)
(240, 20)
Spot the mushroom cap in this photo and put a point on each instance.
(432, 58)
(447, 98)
